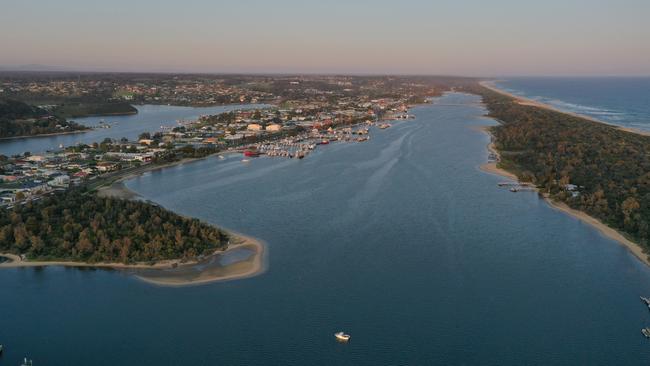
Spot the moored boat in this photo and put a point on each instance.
(342, 337)
(251, 153)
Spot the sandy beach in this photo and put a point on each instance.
(212, 270)
(117, 190)
(491, 167)
(529, 102)
(605, 230)
(251, 266)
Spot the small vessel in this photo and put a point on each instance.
(27, 362)
(645, 300)
(221, 157)
(251, 153)
(342, 337)
(384, 126)
(245, 160)
(1, 349)
(324, 142)
(61, 146)
(646, 332)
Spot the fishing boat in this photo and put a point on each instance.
(342, 337)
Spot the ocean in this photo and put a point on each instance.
(623, 101)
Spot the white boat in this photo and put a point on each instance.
(245, 160)
(342, 337)
(27, 362)
(221, 157)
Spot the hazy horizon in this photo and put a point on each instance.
(468, 38)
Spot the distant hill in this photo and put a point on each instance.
(33, 67)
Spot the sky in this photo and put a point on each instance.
(461, 37)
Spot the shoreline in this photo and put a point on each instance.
(533, 103)
(252, 266)
(242, 241)
(491, 166)
(46, 134)
(603, 228)
(116, 187)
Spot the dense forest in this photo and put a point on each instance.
(80, 226)
(20, 119)
(85, 109)
(609, 167)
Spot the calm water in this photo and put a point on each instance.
(620, 101)
(400, 241)
(148, 119)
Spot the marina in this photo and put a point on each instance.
(302, 145)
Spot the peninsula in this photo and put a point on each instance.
(587, 168)
(18, 119)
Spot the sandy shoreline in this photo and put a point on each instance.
(45, 134)
(491, 167)
(529, 102)
(249, 267)
(605, 230)
(241, 269)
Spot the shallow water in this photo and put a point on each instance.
(400, 241)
